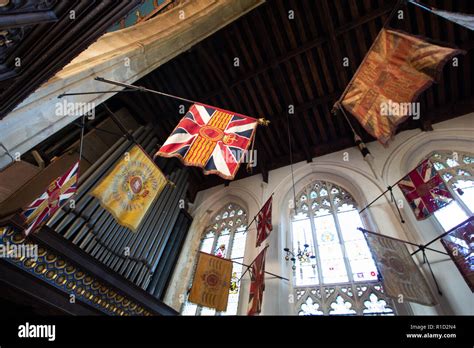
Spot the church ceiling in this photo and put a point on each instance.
(286, 62)
(39, 37)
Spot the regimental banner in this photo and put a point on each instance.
(425, 190)
(402, 279)
(55, 196)
(257, 284)
(264, 222)
(397, 69)
(213, 139)
(211, 282)
(128, 191)
(459, 242)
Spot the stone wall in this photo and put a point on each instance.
(390, 164)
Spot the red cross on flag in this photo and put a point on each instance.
(257, 284)
(425, 190)
(264, 222)
(214, 139)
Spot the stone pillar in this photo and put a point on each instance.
(125, 55)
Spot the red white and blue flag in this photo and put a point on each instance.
(257, 284)
(57, 194)
(213, 139)
(425, 190)
(264, 222)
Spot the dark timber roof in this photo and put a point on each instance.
(39, 37)
(284, 61)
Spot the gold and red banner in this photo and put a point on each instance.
(128, 191)
(397, 69)
(213, 139)
(211, 282)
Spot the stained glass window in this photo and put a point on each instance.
(225, 237)
(326, 220)
(457, 170)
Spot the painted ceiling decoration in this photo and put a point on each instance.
(145, 11)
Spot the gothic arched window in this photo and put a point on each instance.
(224, 237)
(457, 170)
(336, 274)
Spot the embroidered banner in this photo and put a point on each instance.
(212, 139)
(401, 276)
(130, 188)
(211, 282)
(395, 72)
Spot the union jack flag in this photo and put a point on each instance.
(57, 193)
(257, 284)
(212, 139)
(264, 222)
(425, 190)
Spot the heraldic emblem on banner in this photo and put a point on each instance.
(211, 282)
(214, 139)
(401, 276)
(396, 70)
(130, 188)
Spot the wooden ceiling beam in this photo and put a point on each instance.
(453, 78)
(466, 64)
(305, 47)
(334, 49)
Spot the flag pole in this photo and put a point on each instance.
(270, 273)
(421, 247)
(130, 136)
(250, 223)
(389, 188)
(425, 260)
(143, 89)
(132, 88)
(402, 241)
(83, 126)
(442, 235)
(248, 267)
(120, 125)
(427, 8)
(98, 92)
(359, 143)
